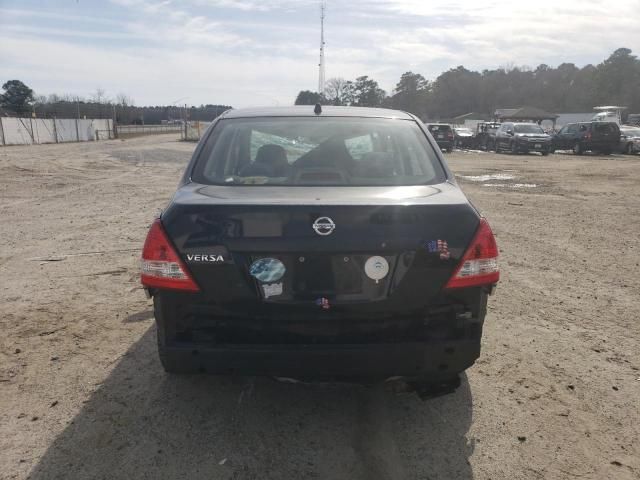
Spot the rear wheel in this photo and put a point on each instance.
(496, 146)
(514, 148)
(577, 148)
(629, 148)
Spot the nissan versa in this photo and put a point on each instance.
(327, 242)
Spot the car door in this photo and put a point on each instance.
(560, 140)
(572, 136)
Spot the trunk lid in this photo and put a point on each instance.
(421, 232)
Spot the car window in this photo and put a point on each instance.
(564, 130)
(317, 151)
(604, 128)
(359, 146)
(439, 128)
(293, 147)
(528, 128)
(573, 128)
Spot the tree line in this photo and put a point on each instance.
(566, 88)
(19, 99)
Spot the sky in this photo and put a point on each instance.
(262, 52)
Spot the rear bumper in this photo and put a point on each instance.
(444, 144)
(441, 343)
(531, 146)
(434, 360)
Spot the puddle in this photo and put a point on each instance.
(511, 185)
(484, 178)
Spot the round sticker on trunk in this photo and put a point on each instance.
(267, 270)
(376, 268)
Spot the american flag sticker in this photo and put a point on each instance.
(324, 303)
(441, 247)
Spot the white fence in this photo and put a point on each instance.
(29, 131)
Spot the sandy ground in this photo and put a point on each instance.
(555, 394)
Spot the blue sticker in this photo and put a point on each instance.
(267, 270)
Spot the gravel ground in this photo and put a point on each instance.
(554, 395)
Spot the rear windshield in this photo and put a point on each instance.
(527, 128)
(439, 128)
(317, 151)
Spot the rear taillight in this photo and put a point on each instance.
(161, 265)
(587, 136)
(479, 264)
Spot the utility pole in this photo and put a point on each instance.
(321, 64)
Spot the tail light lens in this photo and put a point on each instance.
(479, 264)
(161, 265)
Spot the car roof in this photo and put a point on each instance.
(308, 111)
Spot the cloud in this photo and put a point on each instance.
(264, 51)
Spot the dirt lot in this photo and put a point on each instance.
(556, 393)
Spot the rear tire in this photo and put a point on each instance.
(629, 149)
(497, 147)
(428, 388)
(577, 149)
(514, 148)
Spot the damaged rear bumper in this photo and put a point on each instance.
(440, 344)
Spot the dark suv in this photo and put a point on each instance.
(442, 134)
(522, 137)
(600, 137)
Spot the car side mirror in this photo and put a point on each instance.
(509, 132)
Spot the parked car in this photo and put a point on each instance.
(443, 135)
(629, 139)
(463, 137)
(485, 137)
(328, 244)
(599, 137)
(522, 137)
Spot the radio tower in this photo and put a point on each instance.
(321, 64)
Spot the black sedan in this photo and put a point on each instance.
(333, 243)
